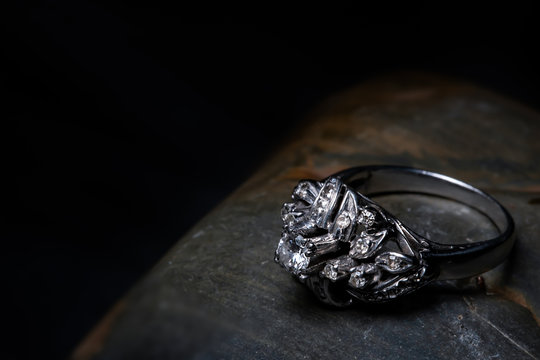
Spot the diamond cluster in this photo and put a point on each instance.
(328, 217)
(315, 205)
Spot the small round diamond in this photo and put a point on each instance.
(343, 220)
(366, 217)
(330, 271)
(360, 247)
(328, 191)
(393, 262)
(357, 280)
(301, 191)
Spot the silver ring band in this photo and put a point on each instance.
(346, 247)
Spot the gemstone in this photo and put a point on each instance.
(330, 271)
(357, 279)
(294, 261)
(299, 261)
(289, 219)
(323, 203)
(300, 241)
(343, 220)
(301, 190)
(360, 247)
(328, 191)
(366, 217)
(393, 262)
(364, 247)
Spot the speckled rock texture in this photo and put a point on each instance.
(218, 293)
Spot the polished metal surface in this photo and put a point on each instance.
(346, 247)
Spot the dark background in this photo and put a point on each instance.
(123, 125)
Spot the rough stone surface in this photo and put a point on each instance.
(219, 294)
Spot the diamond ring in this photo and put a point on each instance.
(346, 247)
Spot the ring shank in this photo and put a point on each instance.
(454, 261)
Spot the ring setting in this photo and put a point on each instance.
(346, 247)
